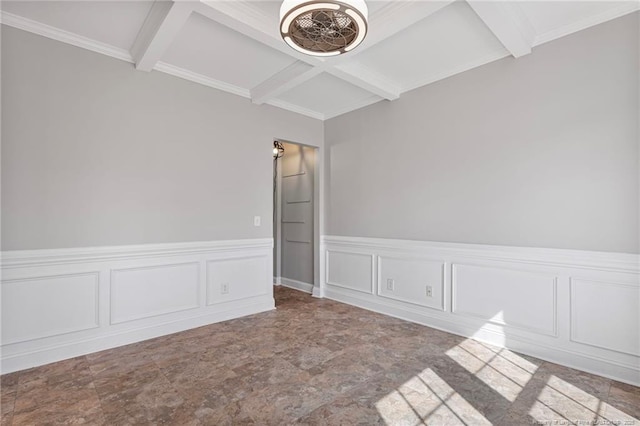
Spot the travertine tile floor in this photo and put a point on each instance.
(313, 362)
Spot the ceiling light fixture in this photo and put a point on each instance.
(278, 150)
(323, 28)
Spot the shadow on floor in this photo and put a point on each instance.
(313, 361)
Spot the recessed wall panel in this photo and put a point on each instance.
(353, 271)
(416, 281)
(138, 293)
(42, 307)
(234, 279)
(606, 315)
(515, 298)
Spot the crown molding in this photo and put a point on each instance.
(432, 78)
(296, 108)
(361, 103)
(607, 15)
(73, 39)
(57, 34)
(201, 79)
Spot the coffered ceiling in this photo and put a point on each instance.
(235, 45)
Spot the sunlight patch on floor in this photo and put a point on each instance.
(426, 398)
(564, 403)
(500, 369)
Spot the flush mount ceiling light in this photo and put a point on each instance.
(323, 28)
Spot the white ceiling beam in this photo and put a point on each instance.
(387, 21)
(508, 23)
(367, 79)
(165, 20)
(394, 17)
(290, 77)
(253, 23)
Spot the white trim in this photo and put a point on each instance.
(297, 285)
(201, 79)
(147, 315)
(163, 23)
(443, 272)
(67, 37)
(54, 33)
(454, 310)
(607, 15)
(293, 75)
(509, 26)
(113, 275)
(572, 330)
(361, 103)
(367, 79)
(95, 324)
(583, 259)
(241, 17)
(432, 78)
(371, 257)
(31, 258)
(623, 372)
(53, 353)
(295, 108)
(511, 326)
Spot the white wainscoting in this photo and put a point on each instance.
(57, 304)
(576, 308)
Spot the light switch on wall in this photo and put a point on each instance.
(256, 221)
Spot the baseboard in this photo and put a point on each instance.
(297, 285)
(552, 304)
(58, 304)
(47, 355)
(620, 372)
(277, 280)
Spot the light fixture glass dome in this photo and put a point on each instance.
(323, 28)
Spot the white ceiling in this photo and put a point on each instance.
(234, 45)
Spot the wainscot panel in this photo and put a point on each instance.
(57, 304)
(606, 315)
(416, 281)
(352, 271)
(153, 290)
(576, 308)
(39, 307)
(237, 278)
(512, 298)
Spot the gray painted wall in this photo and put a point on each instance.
(95, 153)
(540, 151)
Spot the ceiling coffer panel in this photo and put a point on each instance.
(213, 50)
(236, 45)
(327, 94)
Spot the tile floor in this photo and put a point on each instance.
(313, 362)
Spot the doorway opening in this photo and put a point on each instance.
(295, 215)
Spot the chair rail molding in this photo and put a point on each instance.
(547, 303)
(62, 303)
